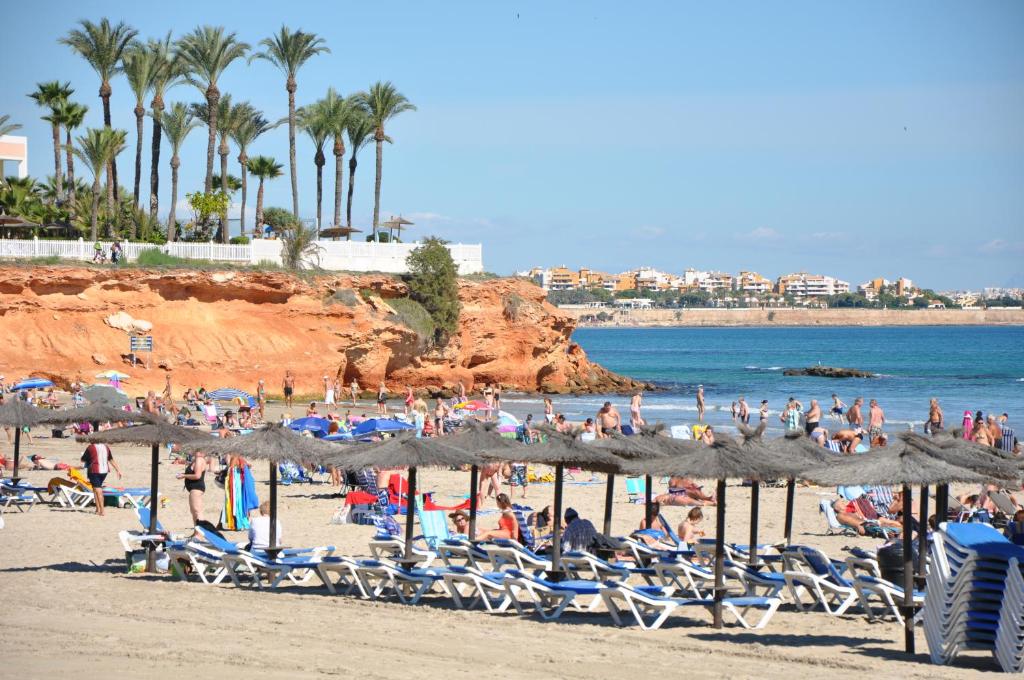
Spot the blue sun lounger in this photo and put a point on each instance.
(650, 605)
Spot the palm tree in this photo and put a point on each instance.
(7, 128)
(382, 103)
(176, 123)
(139, 65)
(227, 118)
(102, 45)
(360, 131)
(51, 96)
(205, 53)
(336, 111)
(265, 168)
(246, 131)
(288, 51)
(313, 121)
(166, 74)
(71, 115)
(96, 148)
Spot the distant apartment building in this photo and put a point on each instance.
(753, 283)
(652, 279)
(901, 287)
(804, 285)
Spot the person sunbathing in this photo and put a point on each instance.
(43, 463)
(684, 491)
(689, 529)
(508, 527)
(848, 519)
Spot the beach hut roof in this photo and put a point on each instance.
(565, 449)
(907, 464)
(479, 437)
(631, 448)
(105, 394)
(725, 459)
(333, 232)
(273, 442)
(405, 450)
(149, 433)
(984, 460)
(17, 413)
(98, 412)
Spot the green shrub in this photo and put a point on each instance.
(239, 240)
(366, 294)
(433, 282)
(413, 316)
(158, 258)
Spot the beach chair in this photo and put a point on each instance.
(296, 564)
(198, 559)
(549, 599)
(1003, 503)
(810, 570)
(582, 565)
(504, 553)
(460, 552)
(636, 489)
(486, 588)
(408, 585)
(388, 547)
(683, 576)
(651, 606)
(642, 552)
(341, 573)
(22, 498)
(891, 595)
(771, 582)
(833, 527)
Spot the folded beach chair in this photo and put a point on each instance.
(651, 606)
(550, 598)
(810, 570)
(484, 587)
(891, 595)
(1009, 644)
(408, 585)
(582, 565)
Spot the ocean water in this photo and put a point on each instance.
(966, 367)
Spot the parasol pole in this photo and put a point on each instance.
(790, 497)
(648, 505)
(609, 491)
(755, 502)
(474, 482)
(154, 504)
(922, 537)
(908, 573)
(17, 454)
(410, 516)
(719, 553)
(273, 507)
(556, 535)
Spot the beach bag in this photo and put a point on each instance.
(342, 515)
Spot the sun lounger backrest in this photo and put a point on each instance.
(525, 534)
(143, 514)
(636, 489)
(822, 565)
(830, 515)
(216, 541)
(433, 525)
(1003, 503)
(866, 508)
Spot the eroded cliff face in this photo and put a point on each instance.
(220, 329)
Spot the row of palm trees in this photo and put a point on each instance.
(200, 58)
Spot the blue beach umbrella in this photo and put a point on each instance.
(373, 425)
(318, 426)
(229, 394)
(32, 384)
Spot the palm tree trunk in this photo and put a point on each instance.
(71, 170)
(94, 218)
(154, 161)
(291, 87)
(112, 165)
(259, 207)
(140, 115)
(319, 193)
(57, 176)
(110, 203)
(376, 187)
(171, 226)
(224, 189)
(242, 159)
(212, 97)
(339, 176)
(351, 189)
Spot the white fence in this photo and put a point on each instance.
(358, 256)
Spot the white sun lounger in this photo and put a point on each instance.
(409, 585)
(651, 606)
(549, 598)
(810, 570)
(484, 587)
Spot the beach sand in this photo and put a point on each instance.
(70, 608)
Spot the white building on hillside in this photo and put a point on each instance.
(804, 285)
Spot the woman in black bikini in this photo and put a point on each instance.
(195, 485)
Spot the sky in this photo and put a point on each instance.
(852, 139)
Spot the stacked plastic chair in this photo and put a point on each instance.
(968, 593)
(1010, 638)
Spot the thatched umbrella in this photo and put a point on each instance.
(335, 232)
(412, 452)
(725, 459)
(479, 437)
(908, 465)
(638, 447)
(96, 413)
(155, 434)
(105, 394)
(559, 450)
(273, 443)
(18, 414)
(398, 223)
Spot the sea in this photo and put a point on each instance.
(966, 367)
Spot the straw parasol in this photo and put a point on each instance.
(638, 447)
(105, 394)
(907, 465)
(561, 449)
(398, 223)
(96, 413)
(725, 459)
(335, 232)
(479, 437)
(273, 443)
(155, 434)
(412, 452)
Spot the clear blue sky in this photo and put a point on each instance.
(856, 139)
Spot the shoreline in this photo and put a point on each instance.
(794, 318)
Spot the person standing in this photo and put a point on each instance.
(382, 399)
(195, 484)
(700, 403)
(261, 398)
(328, 391)
(168, 395)
(790, 416)
(764, 411)
(497, 397)
(97, 460)
(289, 388)
(837, 408)
(608, 420)
(813, 417)
(635, 419)
(744, 411)
(876, 420)
(549, 411)
(854, 416)
(440, 411)
(354, 390)
(462, 392)
(409, 399)
(936, 421)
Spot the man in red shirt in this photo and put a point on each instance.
(97, 460)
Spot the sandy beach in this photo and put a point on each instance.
(71, 608)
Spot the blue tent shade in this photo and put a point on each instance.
(380, 425)
(33, 384)
(318, 426)
(338, 437)
(229, 393)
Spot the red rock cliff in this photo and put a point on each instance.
(231, 328)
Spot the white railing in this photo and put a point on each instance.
(359, 256)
